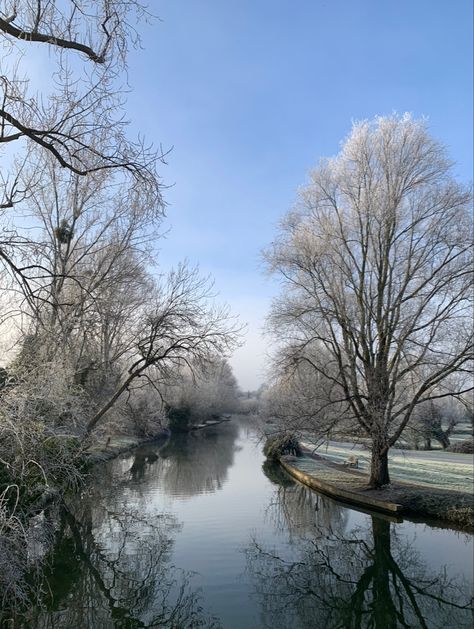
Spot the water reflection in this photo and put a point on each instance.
(307, 566)
(142, 458)
(337, 578)
(276, 474)
(111, 568)
(197, 462)
(112, 564)
(297, 510)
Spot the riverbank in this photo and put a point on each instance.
(204, 527)
(350, 486)
(113, 446)
(433, 469)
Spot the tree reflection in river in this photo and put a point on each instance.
(368, 577)
(113, 555)
(143, 458)
(307, 567)
(111, 568)
(297, 510)
(198, 462)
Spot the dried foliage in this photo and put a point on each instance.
(465, 447)
(40, 418)
(280, 445)
(13, 550)
(40, 457)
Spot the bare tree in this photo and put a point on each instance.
(83, 105)
(301, 400)
(87, 249)
(434, 420)
(182, 326)
(377, 272)
(76, 117)
(203, 391)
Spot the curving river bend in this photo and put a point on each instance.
(199, 532)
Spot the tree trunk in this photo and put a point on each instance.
(98, 416)
(443, 439)
(384, 611)
(379, 465)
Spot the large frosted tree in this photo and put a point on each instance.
(377, 278)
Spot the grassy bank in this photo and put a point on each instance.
(450, 506)
(433, 469)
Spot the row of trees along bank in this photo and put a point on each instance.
(376, 300)
(90, 321)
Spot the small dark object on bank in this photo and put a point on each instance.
(351, 461)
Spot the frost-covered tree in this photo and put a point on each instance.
(301, 399)
(202, 391)
(179, 326)
(91, 240)
(376, 268)
(435, 420)
(76, 118)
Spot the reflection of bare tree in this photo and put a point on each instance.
(111, 567)
(197, 462)
(113, 570)
(143, 457)
(297, 509)
(366, 578)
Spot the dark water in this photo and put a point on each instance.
(200, 533)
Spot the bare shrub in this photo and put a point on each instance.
(278, 446)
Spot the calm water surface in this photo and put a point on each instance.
(201, 533)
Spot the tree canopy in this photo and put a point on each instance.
(376, 277)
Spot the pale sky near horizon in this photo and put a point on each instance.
(251, 94)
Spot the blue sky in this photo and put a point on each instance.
(250, 95)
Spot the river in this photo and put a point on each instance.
(200, 532)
